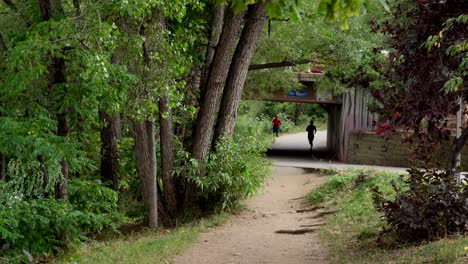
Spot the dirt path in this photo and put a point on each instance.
(262, 233)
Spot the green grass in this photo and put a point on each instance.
(143, 247)
(352, 235)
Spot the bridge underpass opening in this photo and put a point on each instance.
(346, 112)
(294, 143)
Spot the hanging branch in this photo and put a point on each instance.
(270, 65)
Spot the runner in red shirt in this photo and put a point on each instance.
(276, 125)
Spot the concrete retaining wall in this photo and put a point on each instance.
(367, 148)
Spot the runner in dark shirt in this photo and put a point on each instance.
(311, 130)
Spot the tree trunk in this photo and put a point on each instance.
(145, 154)
(238, 71)
(216, 29)
(45, 176)
(63, 127)
(110, 133)
(167, 156)
(457, 147)
(2, 167)
(3, 46)
(63, 130)
(209, 103)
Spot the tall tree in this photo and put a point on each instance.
(238, 70)
(167, 156)
(110, 134)
(210, 99)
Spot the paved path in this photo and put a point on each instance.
(292, 150)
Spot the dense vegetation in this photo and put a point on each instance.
(354, 233)
(116, 110)
(421, 86)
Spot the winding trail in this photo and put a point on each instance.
(269, 230)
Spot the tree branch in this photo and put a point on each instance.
(270, 65)
(3, 46)
(10, 4)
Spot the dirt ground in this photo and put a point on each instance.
(270, 230)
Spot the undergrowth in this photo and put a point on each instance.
(149, 246)
(354, 234)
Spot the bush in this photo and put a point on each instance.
(234, 172)
(45, 226)
(434, 206)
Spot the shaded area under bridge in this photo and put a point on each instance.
(346, 112)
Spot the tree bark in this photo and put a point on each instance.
(63, 127)
(216, 29)
(3, 46)
(167, 156)
(145, 154)
(63, 130)
(110, 133)
(2, 167)
(238, 71)
(457, 147)
(46, 9)
(209, 103)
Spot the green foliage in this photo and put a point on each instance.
(235, 171)
(344, 9)
(294, 116)
(46, 226)
(457, 48)
(345, 55)
(433, 207)
(25, 180)
(333, 185)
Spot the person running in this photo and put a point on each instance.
(276, 125)
(311, 130)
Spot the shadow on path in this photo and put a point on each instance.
(297, 146)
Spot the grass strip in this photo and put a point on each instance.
(150, 246)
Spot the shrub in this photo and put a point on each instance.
(234, 172)
(45, 226)
(432, 207)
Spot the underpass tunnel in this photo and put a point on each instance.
(326, 140)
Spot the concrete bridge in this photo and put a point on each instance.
(346, 112)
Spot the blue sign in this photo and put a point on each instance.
(297, 93)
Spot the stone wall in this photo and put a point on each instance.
(367, 148)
